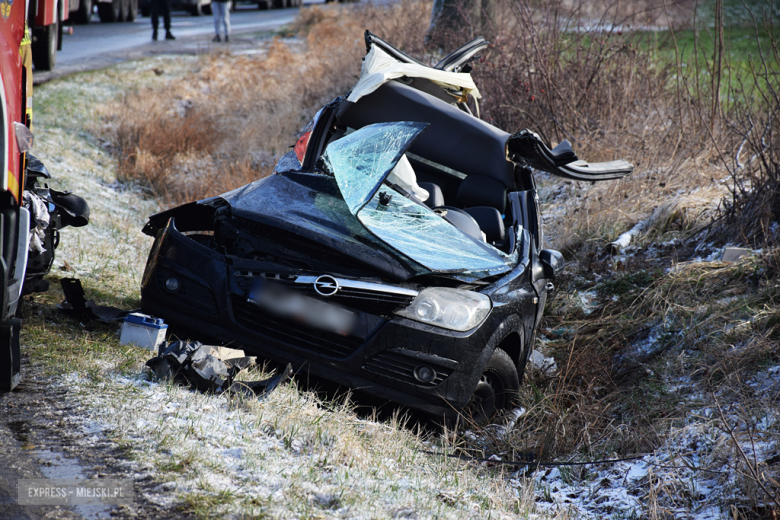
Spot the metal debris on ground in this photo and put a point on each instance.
(211, 369)
(86, 310)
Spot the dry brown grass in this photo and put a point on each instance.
(228, 122)
(600, 90)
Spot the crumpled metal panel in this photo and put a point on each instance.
(288, 163)
(422, 235)
(360, 161)
(311, 206)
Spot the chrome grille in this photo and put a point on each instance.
(293, 333)
(371, 297)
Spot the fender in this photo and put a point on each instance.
(511, 325)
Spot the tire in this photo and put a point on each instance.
(264, 5)
(132, 12)
(146, 12)
(124, 9)
(83, 14)
(44, 47)
(110, 12)
(497, 389)
(59, 36)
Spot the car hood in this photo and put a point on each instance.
(310, 206)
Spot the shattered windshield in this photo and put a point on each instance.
(362, 162)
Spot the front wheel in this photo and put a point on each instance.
(497, 389)
(44, 48)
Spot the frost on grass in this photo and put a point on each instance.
(704, 469)
(698, 473)
(286, 456)
(111, 249)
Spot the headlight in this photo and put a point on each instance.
(448, 308)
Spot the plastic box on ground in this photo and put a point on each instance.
(143, 330)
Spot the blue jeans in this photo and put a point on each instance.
(221, 12)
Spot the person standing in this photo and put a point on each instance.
(221, 10)
(165, 6)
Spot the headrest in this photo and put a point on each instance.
(435, 195)
(478, 190)
(490, 222)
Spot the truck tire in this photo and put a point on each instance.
(44, 47)
(124, 8)
(83, 14)
(132, 12)
(109, 12)
(10, 354)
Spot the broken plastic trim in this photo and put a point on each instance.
(191, 364)
(455, 61)
(526, 147)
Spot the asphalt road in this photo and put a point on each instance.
(99, 45)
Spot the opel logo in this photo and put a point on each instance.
(326, 285)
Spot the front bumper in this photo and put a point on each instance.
(379, 357)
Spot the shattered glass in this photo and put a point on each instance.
(418, 232)
(361, 160)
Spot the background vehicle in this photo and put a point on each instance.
(109, 11)
(31, 213)
(194, 7)
(198, 7)
(45, 19)
(16, 89)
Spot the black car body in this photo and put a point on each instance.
(331, 265)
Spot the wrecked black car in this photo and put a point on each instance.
(397, 249)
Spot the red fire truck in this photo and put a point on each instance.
(16, 107)
(31, 213)
(45, 19)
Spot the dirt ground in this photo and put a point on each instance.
(36, 442)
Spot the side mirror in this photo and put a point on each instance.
(552, 262)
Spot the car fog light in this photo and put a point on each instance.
(424, 373)
(172, 284)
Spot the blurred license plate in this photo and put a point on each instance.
(282, 302)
